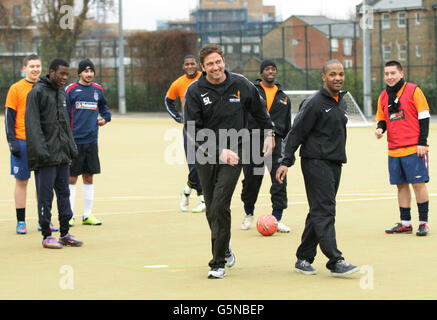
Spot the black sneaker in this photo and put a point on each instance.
(343, 268)
(400, 228)
(423, 230)
(303, 266)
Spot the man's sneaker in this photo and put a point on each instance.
(423, 230)
(303, 266)
(53, 228)
(69, 240)
(247, 222)
(92, 221)
(230, 258)
(21, 227)
(51, 243)
(185, 201)
(400, 228)
(343, 268)
(199, 208)
(283, 228)
(71, 222)
(216, 273)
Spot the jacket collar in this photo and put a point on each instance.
(325, 93)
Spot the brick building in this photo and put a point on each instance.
(307, 42)
(403, 30)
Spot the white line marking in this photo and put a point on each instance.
(158, 266)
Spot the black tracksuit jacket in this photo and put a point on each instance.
(280, 111)
(224, 106)
(319, 128)
(49, 138)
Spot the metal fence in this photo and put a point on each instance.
(298, 50)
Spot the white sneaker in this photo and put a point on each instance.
(247, 222)
(216, 273)
(283, 228)
(185, 201)
(229, 256)
(200, 207)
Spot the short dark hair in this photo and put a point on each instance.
(54, 65)
(208, 49)
(328, 63)
(29, 58)
(190, 56)
(394, 63)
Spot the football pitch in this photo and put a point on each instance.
(147, 249)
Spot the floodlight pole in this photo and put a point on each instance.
(121, 80)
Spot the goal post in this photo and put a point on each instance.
(356, 118)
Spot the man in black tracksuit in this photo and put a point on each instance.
(50, 148)
(320, 130)
(279, 107)
(216, 107)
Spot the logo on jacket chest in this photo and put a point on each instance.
(399, 115)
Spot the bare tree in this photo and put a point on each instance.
(58, 40)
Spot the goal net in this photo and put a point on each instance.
(355, 116)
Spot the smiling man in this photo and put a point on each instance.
(219, 102)
(279, 107)
(177, 89)
(320, 130)
(87, 111)
(403, 113)
(50, 149)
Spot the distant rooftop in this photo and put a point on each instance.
(339, 28)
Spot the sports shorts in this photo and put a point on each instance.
(19, 165)
(408, 169)
(87, 160)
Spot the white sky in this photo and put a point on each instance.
(143, 14)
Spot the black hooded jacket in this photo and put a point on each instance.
(49, 138)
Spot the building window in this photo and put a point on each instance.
(247, 48)
(418, 51)
(386, 20)
(402, 20)
(229, 49)
(334, 45)
(417, 18)
(402, 51)
(347, 47)
(386, 52)
(348, 64)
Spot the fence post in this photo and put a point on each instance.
(408, 46)
(381, 58)
(283, 57)
(355, 60)
(306, 58)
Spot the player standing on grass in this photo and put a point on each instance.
(16, 136)
(218, 102)
(177, 90)
(320, 130)
(404, 113)
(85, 101)
(50, 148)
(279, 108)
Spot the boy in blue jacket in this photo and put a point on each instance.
(85, 102)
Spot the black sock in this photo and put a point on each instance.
(21, 214)
(405, 214)
(423, 211)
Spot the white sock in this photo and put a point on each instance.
(72, 196)
(406, 223)
(187, 190)
(88, 199)
(423, 222)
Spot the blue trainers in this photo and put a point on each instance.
(21, 227)
(53, 228)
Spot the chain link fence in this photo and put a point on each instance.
(299, 50)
